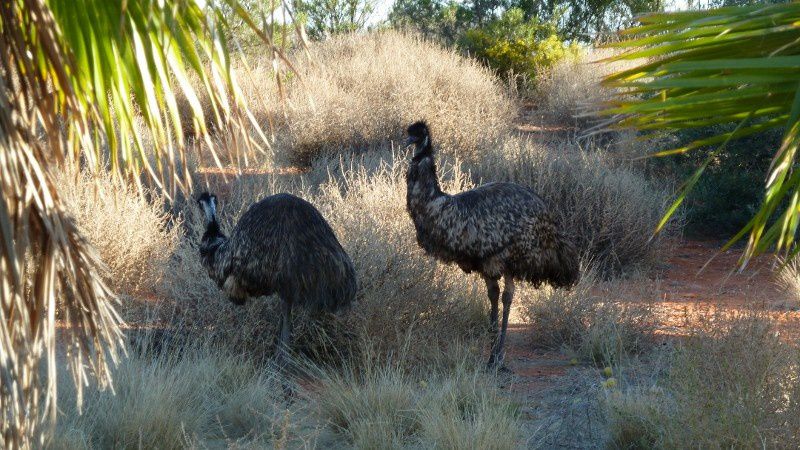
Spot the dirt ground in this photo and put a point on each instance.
(558, 398)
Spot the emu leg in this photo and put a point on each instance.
(493, 289)
(285, 336)
(496, 358)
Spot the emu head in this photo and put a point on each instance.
(208, 203)
(419, 135)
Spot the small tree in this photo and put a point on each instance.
(324, 17)
(513, 44)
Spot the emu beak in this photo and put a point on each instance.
(411, 140)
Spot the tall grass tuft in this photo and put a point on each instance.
(200, 396)
(605, 323)
(133, 233)
(394, 404)
(732, 384)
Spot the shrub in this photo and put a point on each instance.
(134, 235)
(788, 281)
(570, 87)
(732, 384)
(389, 407)
(609, 211)
(202, 395)
(600, 322)
(512, 44)
(355, 91)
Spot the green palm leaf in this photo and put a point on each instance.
(75, 76)
(715, 67)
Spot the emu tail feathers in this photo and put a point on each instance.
(568, 267)
(331, 288)
(558, 265)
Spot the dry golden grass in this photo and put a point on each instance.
(207, 397)
(393, 403)
(356, 91)
(789, 281)
(604, 323)
(572, 86)
(732, 384)
(133, 234)
(204, 395)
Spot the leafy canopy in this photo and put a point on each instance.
(514, 44)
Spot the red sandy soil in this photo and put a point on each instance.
(683, 295)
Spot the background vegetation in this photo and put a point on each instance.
(403, 368)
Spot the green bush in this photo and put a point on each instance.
(512, 44)
(731, 189)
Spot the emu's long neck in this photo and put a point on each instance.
(212, 240)
(422, 182)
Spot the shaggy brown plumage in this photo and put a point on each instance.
(498, 230)
(281, 245)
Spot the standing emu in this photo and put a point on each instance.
(498, 230)
(281, 245)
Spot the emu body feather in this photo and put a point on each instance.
(281, 245)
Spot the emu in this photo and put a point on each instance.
(281, 245)
(497, 229)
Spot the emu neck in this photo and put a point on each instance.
(422, 180)
(212, 238)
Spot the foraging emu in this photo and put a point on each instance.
(281, 245)
(498, 230)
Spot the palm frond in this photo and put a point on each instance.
(722, 66)
(74, 77)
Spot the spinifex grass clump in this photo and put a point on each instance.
(732, 384)
(448, 403)
(603, 323)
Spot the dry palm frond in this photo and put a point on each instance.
(74, 74)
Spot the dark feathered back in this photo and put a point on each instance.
(283, 245)
(498, 229)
